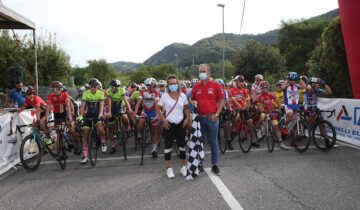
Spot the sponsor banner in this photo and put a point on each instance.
(346, 119)
(10, 139)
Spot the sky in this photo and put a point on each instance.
(134, 30)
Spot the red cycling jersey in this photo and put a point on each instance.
(267, 101)
(35, 102)
(240, 94)
(58, 101)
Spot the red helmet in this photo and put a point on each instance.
(57, 84)
(264, 84)
(30, 90)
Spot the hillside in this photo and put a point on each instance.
(124, 66)
(209, 50)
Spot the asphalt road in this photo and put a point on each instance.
(257, 180)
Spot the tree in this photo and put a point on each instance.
(258, 59)
(101, 70)
(296, 40)
(328, 61)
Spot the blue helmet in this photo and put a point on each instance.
(220, 81)
(293, 76)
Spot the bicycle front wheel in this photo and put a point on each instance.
(145, 135)
(30, 152)
(300, 137)
(222, 140)
(270, 138)
(246, 136)
(123, 140)
(61, 151)
(93, 147)
(324, 135)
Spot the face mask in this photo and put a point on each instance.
(203, 76)
(173, 88)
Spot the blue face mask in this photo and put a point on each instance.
(203, 75)
(173, 88)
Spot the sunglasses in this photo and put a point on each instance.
(161, 85)
(57, 89)
(93, 86)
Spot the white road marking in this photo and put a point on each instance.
(224, 191)
(161, 155)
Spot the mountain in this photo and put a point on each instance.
(124, 66)
(209, 50)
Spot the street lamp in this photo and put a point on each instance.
(177, 65)
(223, 55)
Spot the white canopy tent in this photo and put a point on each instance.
(9, 19)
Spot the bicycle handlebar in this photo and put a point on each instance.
(332, 112)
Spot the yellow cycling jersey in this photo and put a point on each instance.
(280, 96)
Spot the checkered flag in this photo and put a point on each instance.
(196, 149)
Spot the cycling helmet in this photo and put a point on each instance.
(239, 78)
(220, 81)
(304, 78)
(280, 82)
(183, 84)
(115, 83)
(194, 80)
(100, 84)
(313, 80)
(293, 76)
(56, 84)
(87, 86)
(264, 84)
(93, 82)
(150, 81)
(30, 90)
(133, 85)
(162, 82)
(81, 89)
(259, 76)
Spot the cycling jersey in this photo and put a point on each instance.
(241, 95)
(35, 102)
(280, 96)
(117, 99)
(267, 101)
(93, 102)
(149, 99)
(302, 95)
(256, 89)
(291, 97)
(58, 101)
(311, 99)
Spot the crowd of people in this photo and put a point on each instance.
(170, 105)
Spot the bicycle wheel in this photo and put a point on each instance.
(78, 144)
(246, 135)
(323, 135)
(270, 136)
(61, 151)
(123, 140)
(222, 140)
(145, 135)
(93, 147)
(260, 132)
(30, 152)
(300, 137)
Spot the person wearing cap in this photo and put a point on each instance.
(279, 94)
(38, 104)
(16, 95)
(208, 98)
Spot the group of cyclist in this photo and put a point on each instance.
(140, 101)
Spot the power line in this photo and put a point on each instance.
(241, 23)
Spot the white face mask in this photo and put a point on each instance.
(203, 75)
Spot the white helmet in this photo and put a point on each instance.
(162, 82)
(150, 81)
(259, 76)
